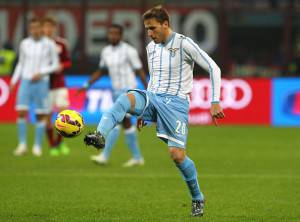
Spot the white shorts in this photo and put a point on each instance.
(59, 98)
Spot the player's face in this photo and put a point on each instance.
(35, 29)
(49, 29)
(155, 30)
(114, 36)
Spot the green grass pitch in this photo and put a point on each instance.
(246, 173)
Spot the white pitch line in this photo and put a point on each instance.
(122, 175)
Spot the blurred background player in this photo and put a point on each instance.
(37, 59)
(59, 97)
(171, 58)
(121, 61)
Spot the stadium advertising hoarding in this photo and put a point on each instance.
(245, 101)
(7, 101)
(98, 17)
(286, 102)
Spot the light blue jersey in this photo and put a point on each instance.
(171, 67)
(171, 80)
(35, 57)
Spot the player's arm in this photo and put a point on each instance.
(52, 67)
(96, 75)
(65, 62)
(142, 75)
(18, 70)
(136, 64)
(207, 63)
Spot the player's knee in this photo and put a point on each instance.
(41, 117)
(22, 114)
(177, 154)
(138, 102)
(132, 101)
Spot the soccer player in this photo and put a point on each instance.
(121, 61)
(37, 59)
(59, 97)
(171, 58)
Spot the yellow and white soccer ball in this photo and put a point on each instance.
(69, 123)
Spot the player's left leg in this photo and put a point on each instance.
(172, 122)
(131, 102)
(132, 143)
(62, 103)
(50, 133)
(189, 173)
(39, 133)
(41, 100)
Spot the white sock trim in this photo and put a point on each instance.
(170, 138)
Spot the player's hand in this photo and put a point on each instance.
(140, 124)
(60, 69)
(216, 112)
(36, 77)
(11, 88)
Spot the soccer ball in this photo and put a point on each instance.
(69, 123)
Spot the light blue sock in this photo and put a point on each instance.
(189, 174)
(22, 130)
(114, 116)
(110, 141)
(132, 143)
(39, 133)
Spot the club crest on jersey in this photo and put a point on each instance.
(173, 51)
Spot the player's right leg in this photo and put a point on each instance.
(22, 106)
(22, 133)
(111, 139)
(132, 143)
(59, 100)
(131, 102)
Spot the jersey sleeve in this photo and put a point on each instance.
(197, 55)
(134, 59)
(18, 70)
(102, 63)
(54, 64)
(65, 56)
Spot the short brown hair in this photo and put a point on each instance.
(50, 20)
(117, 26)
(157, 12)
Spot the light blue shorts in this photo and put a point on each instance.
(36, 93)
(168, 111)
(117, 93)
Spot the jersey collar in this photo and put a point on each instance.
(169, 39)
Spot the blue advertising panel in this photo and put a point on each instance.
(286, 102)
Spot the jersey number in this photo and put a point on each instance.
(180, 127)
